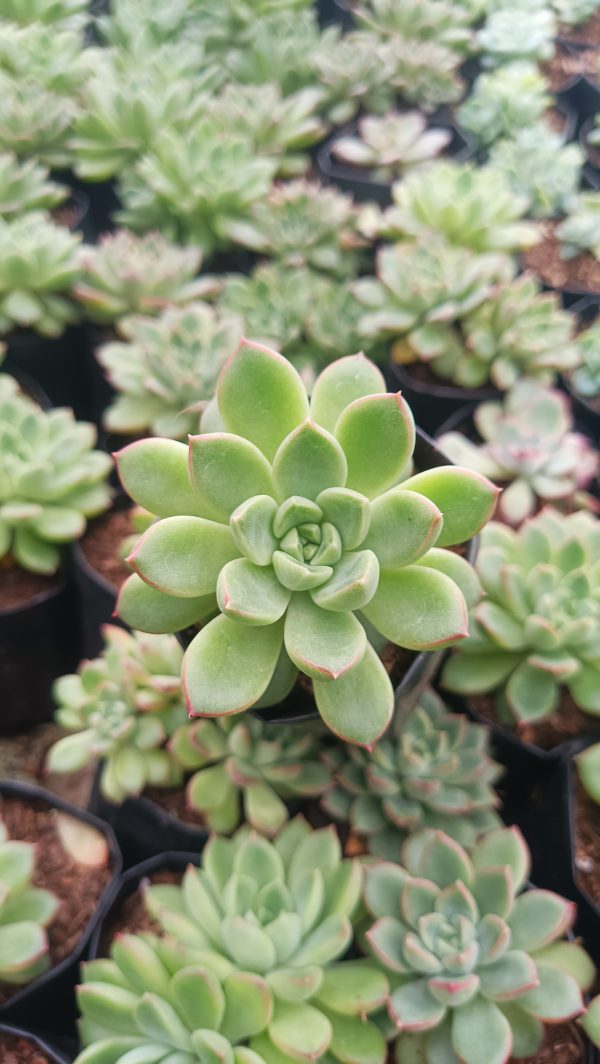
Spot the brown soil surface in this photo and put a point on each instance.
(587, 842)
(77, 886)
(585, 33)
(18, 586)
(567, 723)
(102, 543)
(566, 65)
(131, 916)
(68, 214)
(15, 1050)
(174, 802)
(556, 119)
(581, 272)
(562, 1044)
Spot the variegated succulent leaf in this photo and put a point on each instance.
(511, 32)
(513, 96)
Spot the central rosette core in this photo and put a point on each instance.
(304, 538)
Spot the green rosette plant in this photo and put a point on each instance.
(356, 70)
(537, 164)
(121, 708)
(282, 912)
(251, 766)
(536, 632)
(38, 267)
(165, 369)
(419, 20)
(52, 57)
(58, 13)
(24, 186)
(36, 122)
(51, 479)
(580, 230)
(434, 772)
(513, 32)
(286, 522)
(528, 444)
(572, 12)
(391, 144)
(585, 379)
(127, 274)
(514, 96)
(477, 965)
(25, 913)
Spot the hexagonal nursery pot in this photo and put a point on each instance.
(13, 1038)
(49, 1000)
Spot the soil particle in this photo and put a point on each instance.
(77, 886)
(18, 586)
(562, 1045)
(16, 1050)
(131, 917)
(102, 543)
(587, 843)
(579, 273)
(569, 722)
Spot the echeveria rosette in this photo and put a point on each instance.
(436, 772)
(25, 912)
(282, 912)
(288, 524)
(537, 629)
(476, 966)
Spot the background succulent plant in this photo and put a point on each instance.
(477, 966)
(305, 529)
(35, 122)
(282, 910)
(60, 13)
(574, 11)
(538, 165)
(24, 186)
(419, 20)
(586, 376)
(25, 912)
(514, 96)
(391, 144)
(51, 479)
(513, 32)
(38, 266)
(536, 632)
(529, 446)
(435, 771)
(53, 57)
(165, 369)
(580, 230)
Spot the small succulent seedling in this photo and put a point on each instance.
(281, 911)
(513, 32)
(537, 630)
(580, 230)
(434, 772)
(391, 144)
(537, 165)
(24, 186)
(529, 446)
(25, 912)
(288, 522)
(514, 96)
(586, 377)
(38, 266)
(122, 707)
(477, 965)
(51, 479)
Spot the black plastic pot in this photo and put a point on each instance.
(129, 883)
(584, 94)
(432, 404)
(50, 999)
(586, 309)
(39, 641)
(332, 11)
(592, 171)
(49, 1052)
(100, 390)
(97, 596)
(143, 828)
(57, 365)
(104, 204)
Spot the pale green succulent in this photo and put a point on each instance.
(38, 267)
(53, 57)
(58, 13)
(537, 630)
(580, 230)
(439, 21)
(356, 72)
(165, 369)
(24, 186)
(391, 144)
(586, 376)
(512, 97)
(25, 913)
(537, 165)
(422, 72)
(575, 11)
(133, 24)
(281, 49)
(518, 32)
(51, 479)
(36, 122)
(233, 23)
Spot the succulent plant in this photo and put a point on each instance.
(391, 144)
(51, 479)
(514, 96)
(538, 165)
(301, 223)
(53, 57)
(281, 49)
(234, 22)
(127, 274)
(36, 122)
(24, 186)
(462, 205)
(422, 72)
(38, 266)
(586, 377)
(193, 186)
(580, 230)
(251, 766)
(288, 522)
(528, 445)
(419, 20)
(281, 912)
(588, 771)
(122, 707)
(355, 70)
(514, 32)
(537, 630)
(573, 12)
(133, 24)
(165, 369)
(434, 772)
(25, 912)
(65, 13)
(478, 965)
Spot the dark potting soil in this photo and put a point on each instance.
(131, 916)
(565, 65)
(585, 33)
(17, 1050)
(67, 214)
(102, 543)
(175, 803)
(581, 272)
(562, 1044)
(569, 722)
(18, 586)
(78, 886)
(587, 842)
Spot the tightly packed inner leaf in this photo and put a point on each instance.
(293, 524)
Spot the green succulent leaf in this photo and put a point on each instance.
(322, 643)
(228, 665)
(155, 474)
(418, 608)
(342, 704)
(307, 462)
(466, 499)
(225, 471)
(183, 556)
(149, 610)
(340, 384)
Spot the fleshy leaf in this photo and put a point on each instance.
(480, 1031)
(377, 434)
(145, 608)
(342, 703)
(339, 384)
(308, 461)
(349, 512)
(227, 470)
(323, 644)
(155, 474)
(404, 526)
(183, 556)
(251, 593)
(418, 608)
(352, 583)
(228, 666)
(251, 526)
(466, 499)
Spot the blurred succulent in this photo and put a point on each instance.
(35, 122)
(192, 186)
(333, 324)
(165, 369)
(288, 521)
(51, 479)
(281, 49)
(573, 12)
(131, 24)
(38, 266)
(586, 377)
(25, 912)
(53, 57)
(514, 32)
(528, 445)
(391, 144)
(478, 966)
(580, 230)
(588, 771)
(281, 913)
(355, 71)
(512, 97)
(538, 165)
(419, 20)
(435, 772)
(422, 72)
(122, 707)
(460, 204)
(537, 630)
(24, 186)
(65, 13)
(246, 771)
(233, 22)
(127, 274)
(301, 223)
